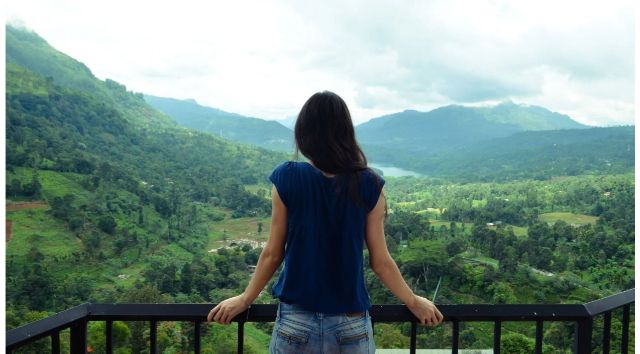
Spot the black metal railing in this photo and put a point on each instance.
(77, 318)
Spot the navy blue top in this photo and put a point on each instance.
(323, 261)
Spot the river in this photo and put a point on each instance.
(392, 171)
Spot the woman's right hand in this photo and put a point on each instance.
(426, 312)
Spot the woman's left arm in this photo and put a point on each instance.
(270, 259)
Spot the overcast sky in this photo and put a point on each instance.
(265, 58)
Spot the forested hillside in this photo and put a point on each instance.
(254, 131)
(30, 51)
(95, 196)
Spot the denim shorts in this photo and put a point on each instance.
(299, 331)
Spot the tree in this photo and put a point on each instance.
(96, 335)
(389, 336)
(75, 223)
(516, 343)
(35, 188)
(107, 224)
(62, 208)
(455, 246)
(162, 206)
(251, 257)
(509, 261)
(186, 278)
(37, 287)
(14, 189)
(140, 215)
(502, 293)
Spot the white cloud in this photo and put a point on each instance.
(265, 58)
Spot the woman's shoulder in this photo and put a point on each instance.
(286, 167)
(372, 175)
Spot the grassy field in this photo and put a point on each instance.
(434, 211)
(239, 228)
(519, 230)
(569, 218)
(37, 227)
(467, 256)
(52, 238)
(54, 184)
(254, 188)
(404, 204)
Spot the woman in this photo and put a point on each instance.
(323, 213)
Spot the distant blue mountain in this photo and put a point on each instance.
(188, 113)
(454, 126)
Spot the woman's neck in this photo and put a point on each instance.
(324, 173)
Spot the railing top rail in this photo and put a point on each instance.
(159, 312)
(46, 326)
(514, 312)
(379, 313)
(609, 303)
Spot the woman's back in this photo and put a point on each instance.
(323, 270)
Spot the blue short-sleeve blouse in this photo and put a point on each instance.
(323, 263)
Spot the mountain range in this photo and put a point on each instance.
(448, 141)
(501, 142)
(254, 131)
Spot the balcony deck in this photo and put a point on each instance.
(77, 318)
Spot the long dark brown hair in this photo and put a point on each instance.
(324, 134)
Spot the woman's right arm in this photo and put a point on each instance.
(270, 259)
(386, 269)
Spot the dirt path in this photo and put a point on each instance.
(13, 206)
(7, 229)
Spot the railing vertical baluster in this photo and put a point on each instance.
(109, 336)
(79, 337)
(55, 343)
(454, 337)
(583, 339)
(240, 337)
(539, 334)
(606, 333)
(624, 342)
(152, 336)
(497, 334)
(412, 343)
(196, 337)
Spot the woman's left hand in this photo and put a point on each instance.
(225, 311)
